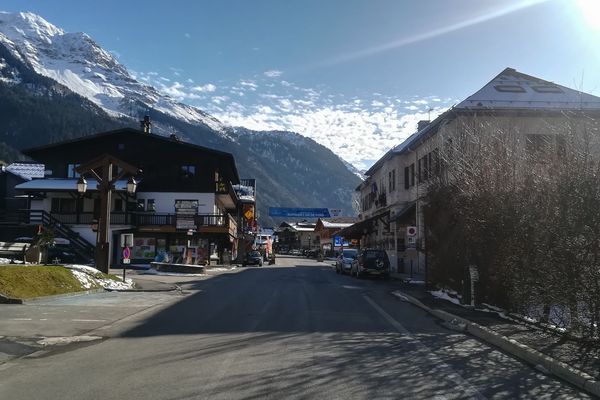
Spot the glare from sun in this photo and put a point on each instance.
(590, 10)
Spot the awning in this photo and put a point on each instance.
(65, 185)
(357, 230)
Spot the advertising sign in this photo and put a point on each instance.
(337, 242)
(299, 212)
(185, 211)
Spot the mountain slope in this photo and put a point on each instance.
(55, 85)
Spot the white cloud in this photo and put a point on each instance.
(187, 35)
(219, 99)
(357, 135)
(273, 73)
(249, 84)
(209, 87)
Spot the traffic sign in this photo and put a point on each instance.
(126, 253)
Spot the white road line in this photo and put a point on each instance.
(432, 357)
(88, 320)
(20, 319)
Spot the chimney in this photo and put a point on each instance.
(146, 124)
(422, 124)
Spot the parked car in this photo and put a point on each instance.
(314, 253)
(253, 258)
(344, 261)
(371, 262)
(295, 252)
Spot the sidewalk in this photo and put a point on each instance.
(584, 357)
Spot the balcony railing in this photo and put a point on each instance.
(144, 219)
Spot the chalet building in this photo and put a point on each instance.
(392, 196)
(297, 235)
(327, 228)
(184, 193)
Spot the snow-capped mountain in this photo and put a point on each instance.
(79, 63)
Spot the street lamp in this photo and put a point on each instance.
(131, 185)
(309, 241)
(81, 185)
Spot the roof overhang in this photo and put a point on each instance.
(65, 185)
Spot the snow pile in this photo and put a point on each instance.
(443, 295)
(91, 278)
(8, 261)
(63, 340)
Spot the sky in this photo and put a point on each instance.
(355, 75)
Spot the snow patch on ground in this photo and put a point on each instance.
(63, 340)
(91, 278)
(443, 295)
(8, 261)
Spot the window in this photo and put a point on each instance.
(150, 205)
(141, 204)
(188, 171)
(63, 206)
(392, 180)
(547, 89)
(412, 174)
(420, 170)
(510, 88)
(71, 171)
(118, 205)
(406, 177)
(538, 144)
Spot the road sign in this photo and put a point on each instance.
(126, 253)
(299, 212)
(411, 231)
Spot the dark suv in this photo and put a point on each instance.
(371, 262)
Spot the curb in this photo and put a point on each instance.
(60, 296)
(562, 370)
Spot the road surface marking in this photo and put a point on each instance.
(454, 376)
(88, 320)
(20, 319)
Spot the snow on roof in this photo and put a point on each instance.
(513, 89)
(338, 225)
(65, 185)
(27, 170)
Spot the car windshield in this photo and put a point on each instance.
(254, 254)
(349, 253)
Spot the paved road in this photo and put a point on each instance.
(296, 330)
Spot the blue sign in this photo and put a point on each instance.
(337, 242)
(299, 212)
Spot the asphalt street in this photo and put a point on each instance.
(291, 331)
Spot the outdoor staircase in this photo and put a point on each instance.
(40, 217)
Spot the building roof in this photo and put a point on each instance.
(514, 90)
(27, 170)
(64, 185)
(35, 152)
(336, 222)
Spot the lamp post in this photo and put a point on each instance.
(309, 241)
(106, 184)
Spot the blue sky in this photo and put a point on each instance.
(351, 74)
